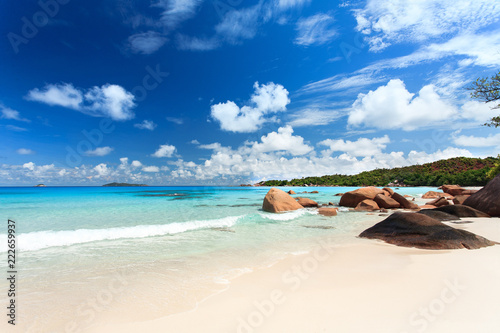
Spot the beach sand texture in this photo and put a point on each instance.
(367, 286)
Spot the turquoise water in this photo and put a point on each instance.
(176, 245)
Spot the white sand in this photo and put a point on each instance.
(368, 286)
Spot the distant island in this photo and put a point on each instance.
(123, 184)
(39, 185)
(459, 170)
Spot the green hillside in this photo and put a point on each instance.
(460, 170)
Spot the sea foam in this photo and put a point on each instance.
(34, 241)
(287, 216)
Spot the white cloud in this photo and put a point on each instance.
(109, 100)
(283, 140)
(176, 11)
(151, 169)
(291, 3)
(25, 151)
(340, 82)
(146, 42)
(146, 124)
(136, 164)
(478, 48)
(8, 113)
(393, 21)
(63, 94)
(239, 24)
(475, 141)
(362, 147)
(195, 142)
(211, 146)
(16, 128)
(39, 171)
(164, 151)
(197, 44)
(421, 157)
(244, 164)
(249, 164)
(315, 29)
(469, 49)
(393, 107)
(269, 98)
(29, 166)
(480, 112)
(102, 170)
(313, 117)
(178, 121)
(100, 151)
(112, 101)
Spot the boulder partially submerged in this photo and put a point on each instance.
(377, 198)
(420, 231)
(367, 205)
(327, 211)
(306, 202)
(487, 199)
(384, 201)
(277, 201)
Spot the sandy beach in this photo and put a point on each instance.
(366, 286)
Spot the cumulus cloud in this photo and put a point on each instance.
(164, 151)
(421, 157)
(393, 107)
(247, 163)
(25, 151)
(102, 170)
(39, 171)
(315, 29)
(151, 169)
(8, 113)
(392, 21)
(477, 141)
(109, 100)
(136, 164)
(283, 140)
(63, 94)
(146, 124)
(267, 99)
(362, 147)
(480, 112)
(146, 42)
(99, 151)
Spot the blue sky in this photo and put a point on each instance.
(238, 91)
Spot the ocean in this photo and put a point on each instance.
(88, 255)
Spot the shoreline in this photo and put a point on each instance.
(354, 287)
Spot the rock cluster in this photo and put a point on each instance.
(421, 231)
(373, 198)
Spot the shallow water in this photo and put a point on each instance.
(90, 254)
